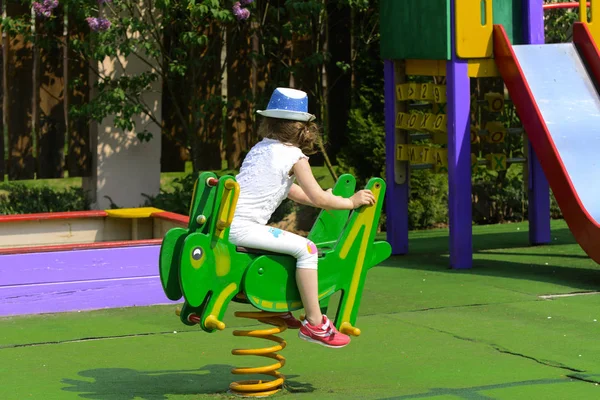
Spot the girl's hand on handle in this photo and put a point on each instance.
(315, 195)
(363, 198)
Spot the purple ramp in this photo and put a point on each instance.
(81, 296)
(62, 281)
(78, 265)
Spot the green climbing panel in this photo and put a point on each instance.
(415, 29)
(509, 13)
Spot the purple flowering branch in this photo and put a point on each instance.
(44, 9)
(98, 24)
(239, 12)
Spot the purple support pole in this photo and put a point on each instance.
(459, 157)
(396, 195)
(538, 188)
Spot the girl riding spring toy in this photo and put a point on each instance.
(229, 253)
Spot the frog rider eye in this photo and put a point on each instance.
(197, 253)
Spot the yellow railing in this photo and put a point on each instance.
(593, 23)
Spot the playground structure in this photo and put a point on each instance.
(202, 266)
(74, 261)
(463, 40)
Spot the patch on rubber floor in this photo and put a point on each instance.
(556, 296)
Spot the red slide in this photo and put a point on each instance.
(555, 91)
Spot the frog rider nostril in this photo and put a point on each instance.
(197, 253)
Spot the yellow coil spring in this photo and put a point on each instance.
(260, 388)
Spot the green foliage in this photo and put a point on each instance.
(17, 198)
(133, 30)
(178, 199)
(195, 29)
(558, 24)
(286, 207)
(555, 212)
(122, 96)
(428, 202)
(498, 196)
(364, 156)
(364, 153)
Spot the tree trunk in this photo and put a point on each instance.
(339, 81)
(307, 70)
(19, 101)
(50, 84)
(239, 94)
(209, 115)
(174, 152)
(273, 63)
(79, 156)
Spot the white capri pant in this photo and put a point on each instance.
(264, 237)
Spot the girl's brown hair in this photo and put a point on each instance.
(304, 135)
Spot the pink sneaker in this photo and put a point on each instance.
(324, 334)
(290, 320)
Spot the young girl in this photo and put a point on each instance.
(266, 178)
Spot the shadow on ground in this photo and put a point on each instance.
(493, 256)
(473, 393)
(488, 241)
(129, 384)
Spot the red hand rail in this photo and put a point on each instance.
(557, 6)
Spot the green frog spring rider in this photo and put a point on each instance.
(202, 266)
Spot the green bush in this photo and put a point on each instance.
(499, 196)
(428, 201)
(178, 199)
(555, 212)
(364, 155)
(17, 198)
(286, 207)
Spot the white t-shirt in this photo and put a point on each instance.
(265, 180)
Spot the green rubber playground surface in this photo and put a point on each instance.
(428, 333)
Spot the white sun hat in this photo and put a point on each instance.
(288, 103)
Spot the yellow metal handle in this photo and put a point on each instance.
(583, 11)
(230, 195)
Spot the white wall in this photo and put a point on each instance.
(123, 167)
